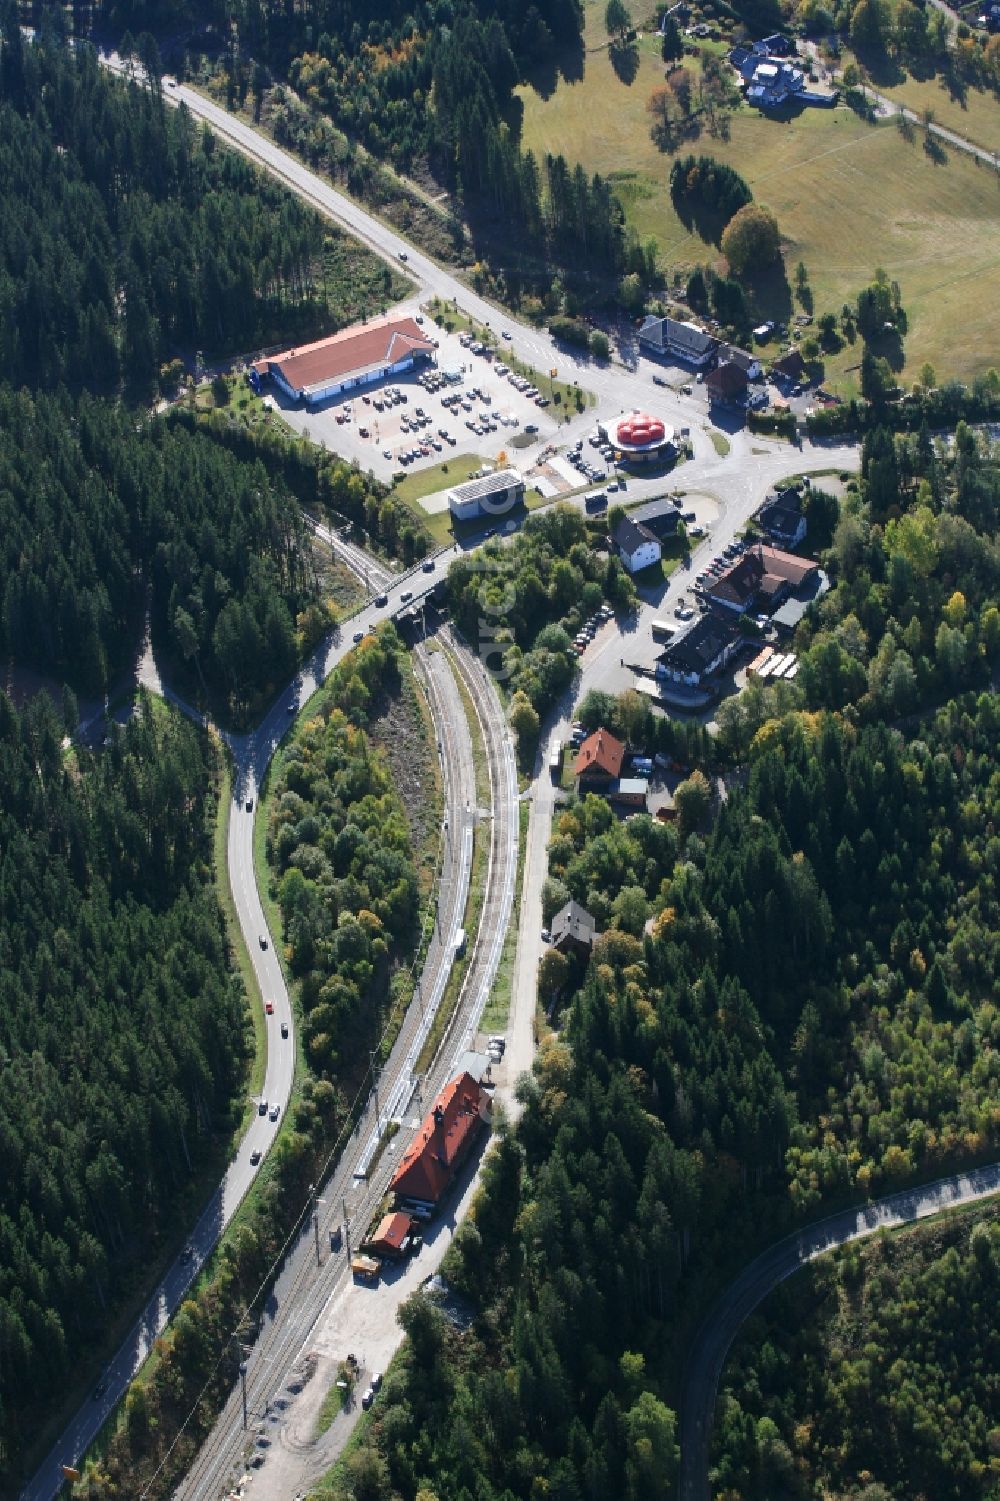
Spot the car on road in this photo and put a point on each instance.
(255, 1156)
(262, 940)
(262, 1108)
(188, 1253)
(358, 636)
(684, 612)
(269, 1007)
(406, 596)
(505, 335)
(249, 804)
(291, 706)
(403, 256)
(381, 600)
(658, 380)
(546, 935)
(376, 1381)
(387, 453)
(367, 1399)
(100, 1389)
(530, 427)
(284, 1029)
(274, 1112)
(427, 566)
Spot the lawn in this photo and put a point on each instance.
(976, 116)
(848, 197)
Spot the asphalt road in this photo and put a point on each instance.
(712, 1343)
(745, 474)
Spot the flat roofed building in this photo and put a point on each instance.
(347, 361)
(488, 495)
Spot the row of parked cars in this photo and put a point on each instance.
(587, 632)
(719, 564)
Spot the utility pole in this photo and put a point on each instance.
(243, 1377)
(378, 1119)
(315, 1218)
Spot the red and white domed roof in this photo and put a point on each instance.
(640, 430)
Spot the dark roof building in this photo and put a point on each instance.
(631, 791)
(660, 517)
(790, 366)
(781, 517)
(442, 1143)
(637, 546)
(683, 341)
(573, 930)
(763, 573)
(732, 354)
(727, 385)
(704, 648)
(599, 759)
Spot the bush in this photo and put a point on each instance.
(599, 346)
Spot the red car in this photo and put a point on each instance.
(269, 1007)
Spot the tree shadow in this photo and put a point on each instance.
(769, 294)
(888, 346)
(883, 70)
(934, 149)
(625, 61)
(699, 218)
(566, 63)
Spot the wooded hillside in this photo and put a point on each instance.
(128, 236)
(122, 1033)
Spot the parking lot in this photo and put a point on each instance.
(468, 399)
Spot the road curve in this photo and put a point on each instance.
(705, 1363)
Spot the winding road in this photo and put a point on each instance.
(704, 1367)
(738, 479)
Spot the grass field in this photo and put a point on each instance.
(848, 197)
(976, 117)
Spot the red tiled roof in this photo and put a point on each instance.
(726, 380)
(427, 1165)
(602, 752)
(787, 565)
(353, 350)
(392, 1231)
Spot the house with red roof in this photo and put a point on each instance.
(441, 1145)
(392, 1236)
(598, 761)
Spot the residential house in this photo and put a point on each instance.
(775, 45)
(763, 575)
(790, 366)
(598, 761)
(661, 517)
(636, 545)
(781, 517)
(726, 386)
(670, 338)
(442, 1143)
(703, 649)
(743, 359)
(573, 930)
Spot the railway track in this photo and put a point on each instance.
(305, 1286)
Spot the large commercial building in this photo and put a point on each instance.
(488, 495)
(444, 1140)
(704, 648)
(348, 361)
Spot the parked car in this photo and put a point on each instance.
(367, 1399)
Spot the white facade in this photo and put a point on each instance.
(643, 556)
(489, 495)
